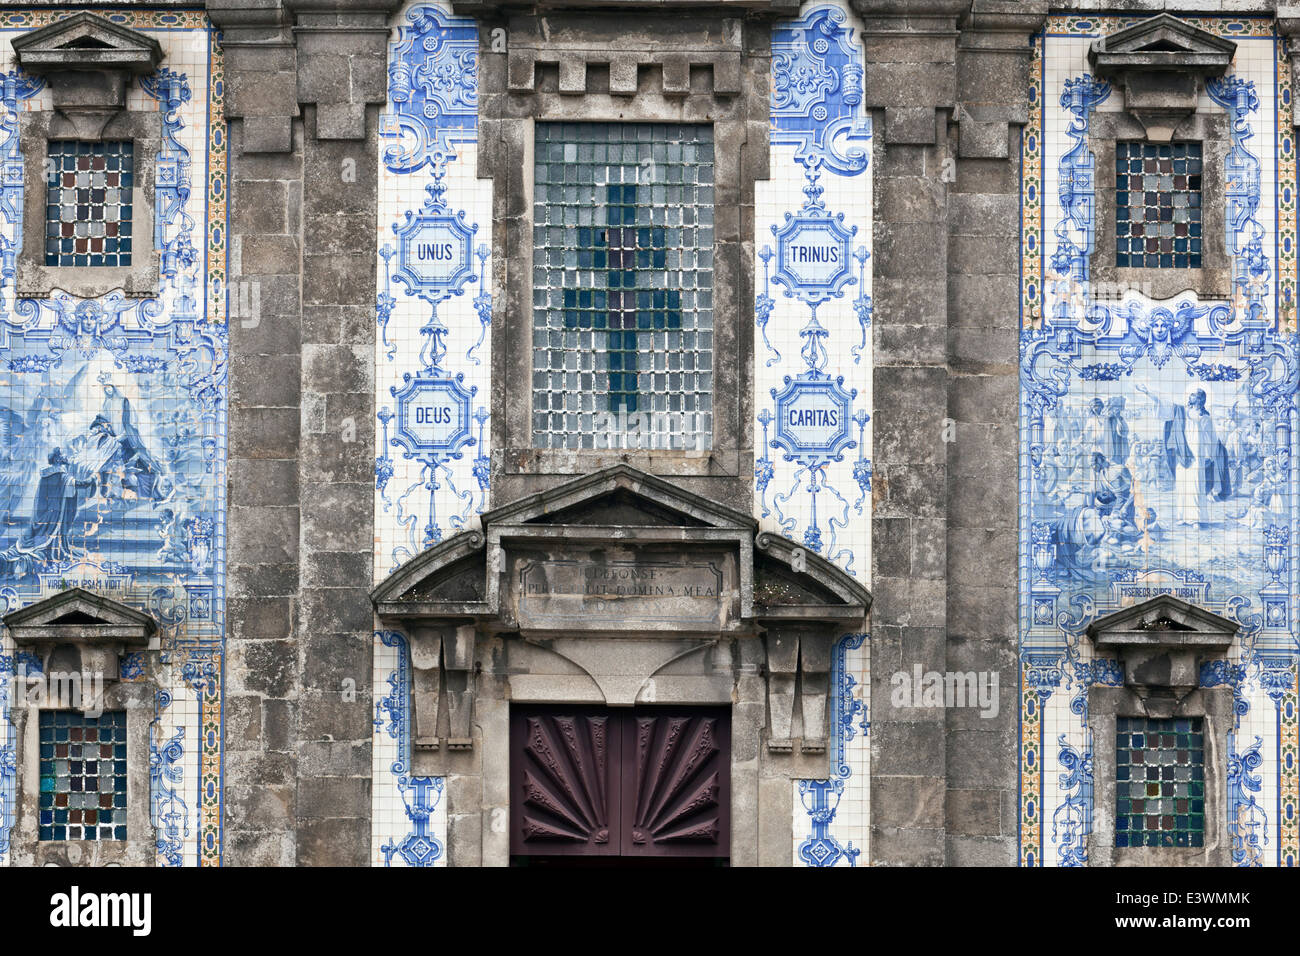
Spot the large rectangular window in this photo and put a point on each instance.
(88, 204)
(623, 286)
(1160, 782)
(83, 776)
(1158, 205)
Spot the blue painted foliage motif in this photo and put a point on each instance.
(420, 846)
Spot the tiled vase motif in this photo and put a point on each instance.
(1157, 440)
(812, 369)
(121, 403)
(432, 351)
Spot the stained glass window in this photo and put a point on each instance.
(1158, 205)
(623, 286)
(1160, 782)
(83, 776)
(88, 204)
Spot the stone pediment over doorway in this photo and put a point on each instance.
(619, 550)
(621, 588)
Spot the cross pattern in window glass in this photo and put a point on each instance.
(1159, 782)
(1158, 205)
(623, 286)
(83, 776)
(88, 204)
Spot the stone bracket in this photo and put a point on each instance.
(1161, 65)
(803, 653)
(330, 53)
(442, 665)
(983, 130)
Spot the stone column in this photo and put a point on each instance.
(342, 83)
(911, 86)
(983, 400)
(265, 181)
(306, 80)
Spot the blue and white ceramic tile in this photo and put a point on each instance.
(812, 242)
(812, 370)
(432, 357)
(1157, 447)
(409, 826)
(113, 417)
(432, 369)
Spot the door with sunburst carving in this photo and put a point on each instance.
(647, 783)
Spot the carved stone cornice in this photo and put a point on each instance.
(997, 32)
(1162, 65)
(88, 62)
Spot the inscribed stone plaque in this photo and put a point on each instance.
(619, 594)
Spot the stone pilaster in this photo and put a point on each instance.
(342, 55)
(983, 321)
(910, 83)
(264, 518)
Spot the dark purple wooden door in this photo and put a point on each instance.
(564, 792)
(650, 782)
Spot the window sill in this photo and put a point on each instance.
(1208, 282)
(36, 281)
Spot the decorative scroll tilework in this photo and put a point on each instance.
(831, 816)
(812, 477)
(113, 472)
(410, 813)
(432, 370)
(1157, 437)
(812, 428)
(434, 305)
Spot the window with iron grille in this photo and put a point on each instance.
(88, 204)
(623, 286)
(1160, 782)
(83, 776)
(1158, 205)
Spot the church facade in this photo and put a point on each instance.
(716, 432)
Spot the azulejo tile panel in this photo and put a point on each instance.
(434, 306)
(812, 364)
(113, 469)
(432, 365)
(1157, 443)
(812, 368)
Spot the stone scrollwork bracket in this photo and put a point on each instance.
(442, 666)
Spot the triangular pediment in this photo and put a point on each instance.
(1164, 619)
(626, 496)
(85, 41)
(76, 609)
(618, 507)
(1163, 42)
